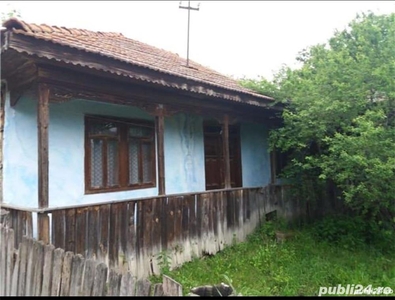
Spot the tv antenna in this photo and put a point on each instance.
(189, 8)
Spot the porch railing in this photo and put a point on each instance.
(141, 234)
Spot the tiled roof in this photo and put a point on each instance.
(129, 51)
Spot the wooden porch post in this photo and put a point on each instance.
(159, 127)
(225, 148)
(42, 129)
(2, 111)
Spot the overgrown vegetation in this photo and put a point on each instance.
(339, 121)
(323, 254)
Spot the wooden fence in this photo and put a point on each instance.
(135, 235)
(35, 269)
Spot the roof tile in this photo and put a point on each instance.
(119, 47)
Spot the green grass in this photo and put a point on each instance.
(299, 266)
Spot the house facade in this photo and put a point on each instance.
(101, 141)
(121, 150)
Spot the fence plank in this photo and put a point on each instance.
(143, 287)
(99, 284)
(103, 231)
(89, 276)
(131, 235)
(113, 236)
(58, 229)
(58, 255)
(70, 230)
(66, 274)
(158, 290)
(29, 268)
(171, 287)
(22, 266)
(80, 231)
(47, 270)
(113, 283)
(38, 248)
(92, 229)
(14, 283)
(77, 267)
(3, 258)
(128, 285)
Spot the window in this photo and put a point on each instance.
(119, 154)
(278, 162)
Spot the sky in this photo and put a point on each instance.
(240, 39)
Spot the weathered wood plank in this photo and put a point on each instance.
(43, 227)
(158, 290)
(43, 160)
(178, 201)
(29, 224)
(163, 222)
(159, 128)
(171, 287)
(16, 224)
(38, 248)
(22, 266)
(77, 267)
(70, 230)
(225, 150)
(131, 235)
(58, 255)
(29, 267)
(80, 229)
(66, 274)
(123, 223)
(155, 234)
(58, 229)
(205, 219)
(128, 285)
(114, 283)
(14, 283)
(143, 287)
(47, 270)
(3, 255)
(141, 250)
(99, 283)
(113, 236)
(170, 221)
(91, 229)
(88, 277)
(10, 261)
(104, 217)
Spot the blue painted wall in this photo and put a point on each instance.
(183, 143)
(255, 157)
(184, 154)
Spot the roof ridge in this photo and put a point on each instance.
(16, 23)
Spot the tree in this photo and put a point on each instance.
(340, 122)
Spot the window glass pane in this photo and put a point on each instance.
(112, 162)
(98, 127)
(133, 162)
(139, 131)
(96, 163)
(147, 162)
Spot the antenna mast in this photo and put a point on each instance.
(189, 17)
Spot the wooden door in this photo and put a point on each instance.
(214, 159)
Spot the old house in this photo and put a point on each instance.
(115, 145)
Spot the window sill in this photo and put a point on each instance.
(123, 189)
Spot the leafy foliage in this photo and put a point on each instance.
(340, 120)
(299, 266)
